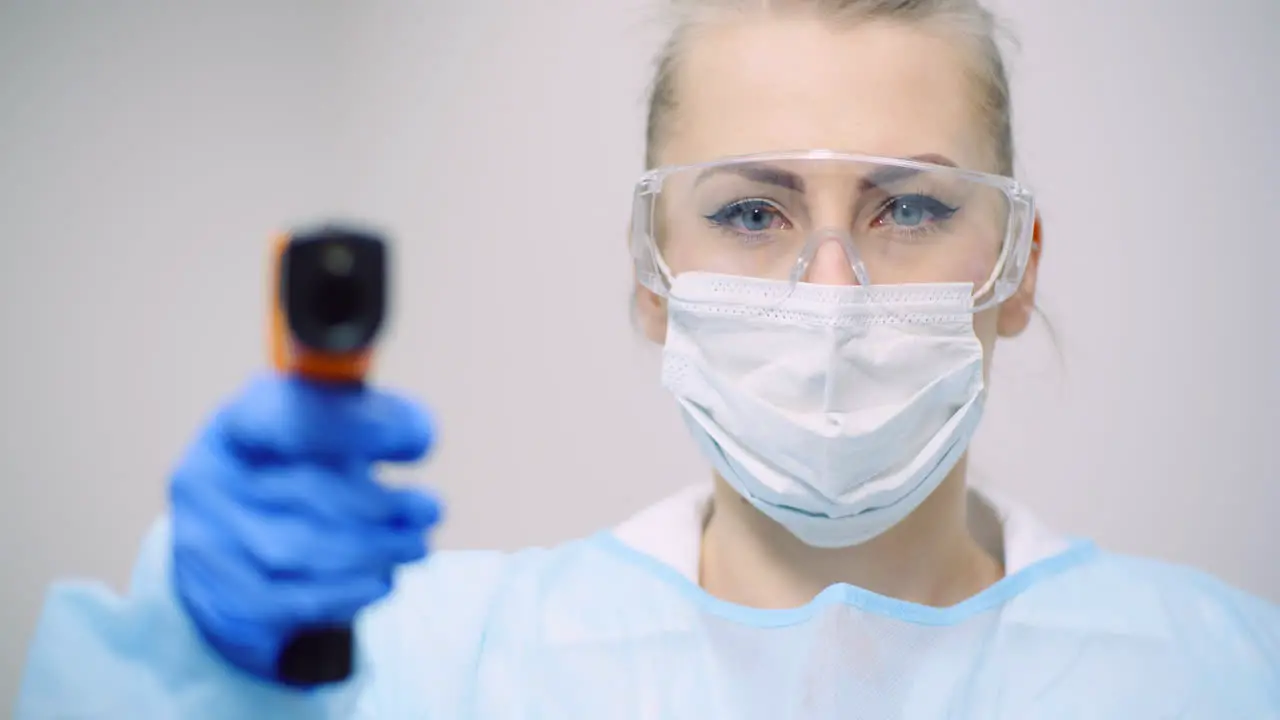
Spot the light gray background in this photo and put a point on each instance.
(147, 149)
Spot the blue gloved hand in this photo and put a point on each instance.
(280, 525)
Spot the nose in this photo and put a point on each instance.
(831, 265)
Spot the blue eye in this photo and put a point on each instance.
(749, 216)
(914, 211)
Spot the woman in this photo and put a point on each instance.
(828, 245)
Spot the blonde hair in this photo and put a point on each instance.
(965, 20)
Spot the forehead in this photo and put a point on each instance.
(770, 84)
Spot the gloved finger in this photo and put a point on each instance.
(317, 491)
(334, 498)
(205, 469)
(229, 597)
(336, 601)
(218, 586)
(292, 546)
(282, 418)
(416, 507)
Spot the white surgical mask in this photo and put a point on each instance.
(835, 410)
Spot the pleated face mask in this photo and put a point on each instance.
(836, 412)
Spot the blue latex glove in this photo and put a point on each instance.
(278, 521)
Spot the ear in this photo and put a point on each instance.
(1015, 313)
(650, 310)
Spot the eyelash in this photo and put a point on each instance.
(723, 217)
(939, 211)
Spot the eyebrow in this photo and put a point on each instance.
(890, 174)
(769, 175)
(756, 172)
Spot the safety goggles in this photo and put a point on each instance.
(898, 222)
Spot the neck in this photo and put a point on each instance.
(930, 558)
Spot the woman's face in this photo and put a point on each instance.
(774, 85)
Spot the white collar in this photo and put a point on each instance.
(670, 531)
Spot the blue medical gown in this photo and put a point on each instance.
(594, 629)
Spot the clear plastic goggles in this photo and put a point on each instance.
(897, 222)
